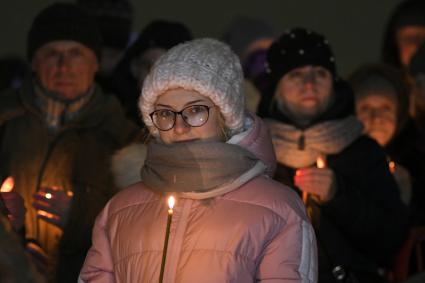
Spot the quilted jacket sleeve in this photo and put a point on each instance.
(291, 256)
(98, 266)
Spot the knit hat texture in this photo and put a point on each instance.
(63, 21)
(299, 47)
(205, 65)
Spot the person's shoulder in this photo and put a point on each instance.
(130, 197)
(268, 193)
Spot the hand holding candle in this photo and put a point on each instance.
(318, 181)
(171, 202)
(15, 208)
(53, 205)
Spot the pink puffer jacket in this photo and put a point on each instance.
(258, 232)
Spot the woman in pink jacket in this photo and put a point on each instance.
(231, 221)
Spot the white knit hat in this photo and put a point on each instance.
(205, 65)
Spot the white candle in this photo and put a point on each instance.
(171, 202)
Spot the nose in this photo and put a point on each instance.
(309, 79)
(180, 126)
(375, 116)
(61, 61)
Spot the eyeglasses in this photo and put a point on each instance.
(193, 115)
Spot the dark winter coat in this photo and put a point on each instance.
(14, 263)
(407, 148)
(76, 158)
(365, 223)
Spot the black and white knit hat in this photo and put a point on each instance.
(299, 47)
(205, 65)
(63, 21)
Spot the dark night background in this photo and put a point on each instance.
(354, 28)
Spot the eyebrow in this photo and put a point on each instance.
(187, 104)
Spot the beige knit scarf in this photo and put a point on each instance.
(297, 148)
(199, 169)
(59, 111)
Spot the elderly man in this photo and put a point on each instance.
(57, 134)
(353, 200)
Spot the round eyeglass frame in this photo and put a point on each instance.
(181, 114)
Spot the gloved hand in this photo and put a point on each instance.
(15, 205)
(53, 205)
(318, 182)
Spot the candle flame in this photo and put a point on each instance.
(7, 185)
(391, 165)
(171, 202)
(320, 162)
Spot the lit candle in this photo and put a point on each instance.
(171, 201)
(321, 162)
(391, 165)
(7, 185)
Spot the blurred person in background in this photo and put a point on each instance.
(153, 41)
(343, 175)
(115, 22)
(250, 38)
(405, 32)
(382, 105)
(58, 132)
(417, 71)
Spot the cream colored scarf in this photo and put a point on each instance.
(297, 148)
